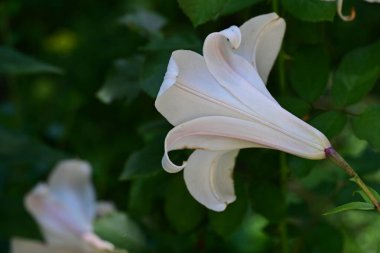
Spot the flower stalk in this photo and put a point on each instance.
(341, 163)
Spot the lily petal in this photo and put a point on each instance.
(232, 71)
(208, 177)
(70, 183)
(261, 41)
(189, 91)
(59, 224)
(218, 133)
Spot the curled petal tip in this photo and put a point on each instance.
(344, 17)
(233, 34)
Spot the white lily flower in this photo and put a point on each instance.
(219, 104)
(339, 7)
(64, 208)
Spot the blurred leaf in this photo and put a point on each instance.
(144, 21)
(122, 82)
(330, 123)
(367, 126)
(268, 200)
(311, 10)
(300, 167)
(294, 105)
(356, 74)
(200, 11)
(233, 6)
(182, 40)
(18, 149)
(144, 162)
(16, 63)
(153, 71)
(182, 211)
(323, 238)
(252, 230)
(120, 230)
(309, 78)
(364, 206)
(365, 197)
(226, 222)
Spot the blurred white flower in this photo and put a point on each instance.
(219, 104)
(64, 209)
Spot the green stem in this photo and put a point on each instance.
(338, 160)
(283, 229)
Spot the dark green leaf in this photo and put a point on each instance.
(144, 162)
(200, 11)
(330, 123)
(323, 238)
(364, 206)
(122, 82)
(182, 211)
(120, 230)
(182, 40)
(233, 6)
(18, 149)
(356, 75)
(367, 126)
(153, 71)
(294, 105)
(311, 10)
(15, 63)
(309, 77)
(226, 222)
(268, 200)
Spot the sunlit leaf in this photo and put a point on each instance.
(16, 63)
(363, 206)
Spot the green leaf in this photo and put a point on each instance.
(268, 200)
(18, 149)
(367, 126)
(311, 10)
(363, 206)
(295, 105)
(153, 71)
(144, 162)
(16, 63)
(120, 230)
(182, 211)
(234, 6)
(200, 11)
(226, 222)
(330, 123)
(356, 75)
(323, 238)
(122, 81)
(309, 78)
(144, 21)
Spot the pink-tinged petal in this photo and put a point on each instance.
(218, 133)
(232, 71)
(29, 246)
(59, 224)
(208, 177)
(97, 243)
(261, 41)
(70, 182)
(189, 91)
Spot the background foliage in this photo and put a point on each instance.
(79, 78)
